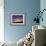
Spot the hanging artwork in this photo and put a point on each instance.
(17, 19)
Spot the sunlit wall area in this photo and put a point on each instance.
(1, 20)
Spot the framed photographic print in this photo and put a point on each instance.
(17, 19)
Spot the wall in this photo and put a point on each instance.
(26, 7)
(43, 6)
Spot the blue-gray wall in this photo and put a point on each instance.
(26, 7)
(43, 6)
